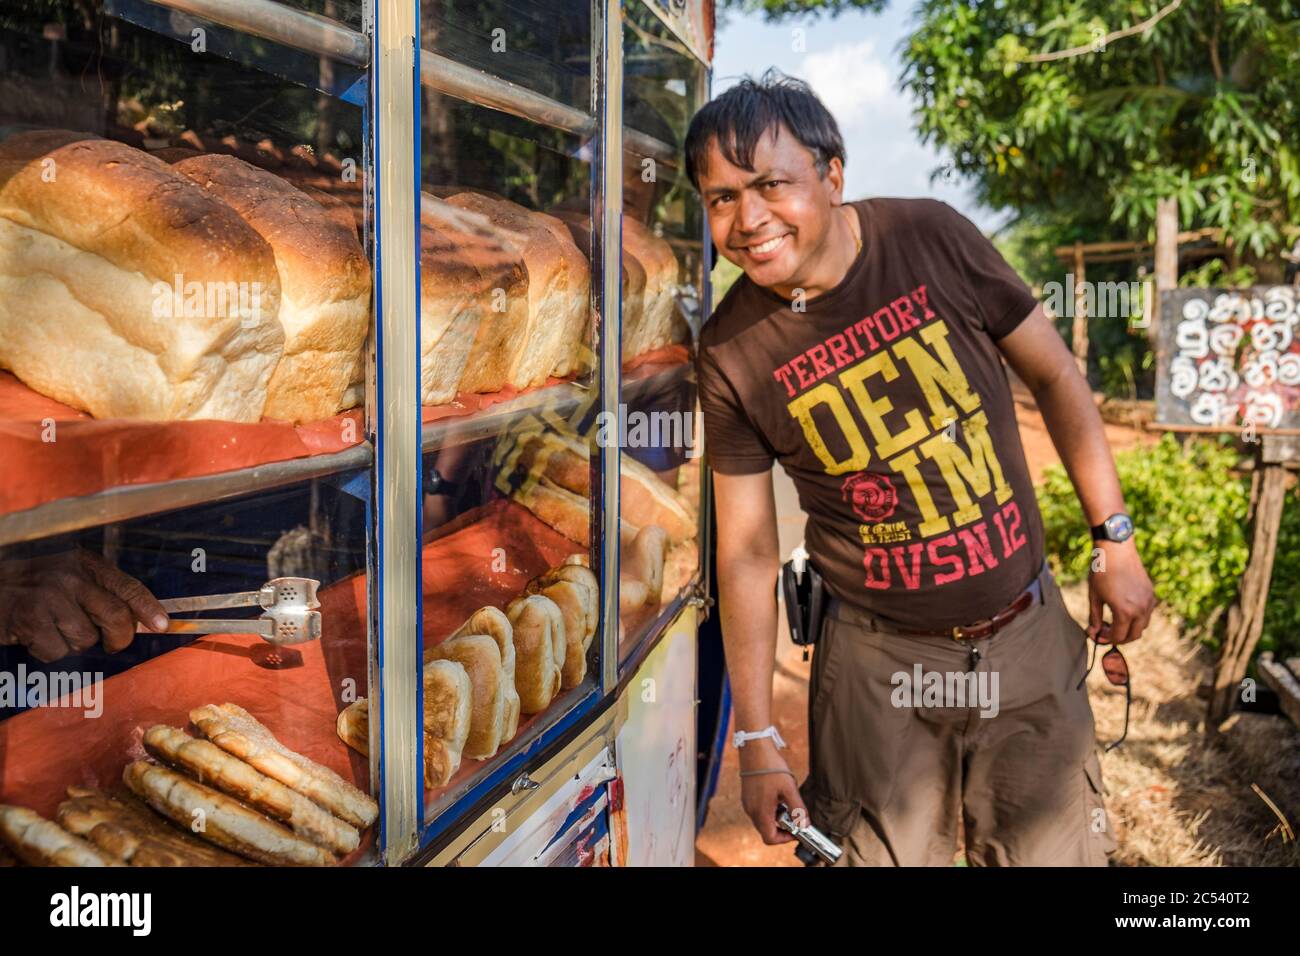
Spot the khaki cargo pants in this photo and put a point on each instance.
(889, 780)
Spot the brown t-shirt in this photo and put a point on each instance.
(887, 403)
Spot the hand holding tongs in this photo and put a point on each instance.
(290, 615)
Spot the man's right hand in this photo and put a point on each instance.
(760, 794)
(61, 604)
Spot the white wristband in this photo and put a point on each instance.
(740, 737)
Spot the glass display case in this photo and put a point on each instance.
(312, 342)
(186, 300)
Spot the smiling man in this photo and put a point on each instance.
(863, 349)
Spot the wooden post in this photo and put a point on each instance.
(1166, 254)
(1080, 328)
(1246, 616)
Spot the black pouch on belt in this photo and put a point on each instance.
(805, 598)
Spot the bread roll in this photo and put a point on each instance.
(473, 309)
(539, 663)
(220, 819)
(238, 732)
(493, 622)
(209, 764)
(448, 702)
(572, 600)
(324, 284)
(479, 655)
(131, 834)
(645, 499)
(588, 593)
(353, 726)
(642, 557)
(38, 842)
(127, 290)
(546, 338)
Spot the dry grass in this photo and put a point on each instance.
(1173, 799)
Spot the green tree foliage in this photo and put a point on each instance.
(1202, 105)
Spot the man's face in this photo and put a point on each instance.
(773, 221)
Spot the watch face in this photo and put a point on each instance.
(1119, 527)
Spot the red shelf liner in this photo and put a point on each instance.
(89, 456)
(45, 749)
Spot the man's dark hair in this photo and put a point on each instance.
(740, 117)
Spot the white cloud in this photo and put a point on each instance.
(852, 80)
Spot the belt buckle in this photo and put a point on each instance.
(957, 629)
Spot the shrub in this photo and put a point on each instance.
(1190, 513)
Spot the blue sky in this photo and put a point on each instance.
(853, 63)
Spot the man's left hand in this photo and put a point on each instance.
(1119, 581)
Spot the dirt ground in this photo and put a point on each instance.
(1173, 800)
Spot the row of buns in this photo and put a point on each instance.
(184, 284)
(499, 664)
(231, 796)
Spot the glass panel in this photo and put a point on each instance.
(185, 302)
(662, 275)
(509, 383)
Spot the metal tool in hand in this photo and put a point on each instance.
(813, 844)
(289, 615)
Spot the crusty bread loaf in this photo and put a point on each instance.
(220, 819)
(538, 664)
(567, 513)
(633, 277)
(481, 658)
(209, 764)
(493, 622)
(547, 338)
(130, 833)
(473, 307)
(645, 499)
(448, 702)
(39, 842)
(324, 284)
(95, 237)
(656, 327)
(563, 460)
(238, 732)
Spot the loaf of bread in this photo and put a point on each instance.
(448, 703)
(546, 338)
(238, 732)
(493, 622)
(481, 658)
(209, 764)
(126, 289)
(131, 834)
(561, 509)
(557, 460)
(39, 842)
(656, 327)
(473, 307)
(538, 629)
(220, 819)
(324, 284)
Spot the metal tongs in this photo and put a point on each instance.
(290, 615)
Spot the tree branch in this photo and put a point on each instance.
(1138, 28)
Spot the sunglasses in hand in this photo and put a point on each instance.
(1115, 667)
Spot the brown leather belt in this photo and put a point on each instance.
(987, 628)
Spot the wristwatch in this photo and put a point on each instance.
(1118, 527)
